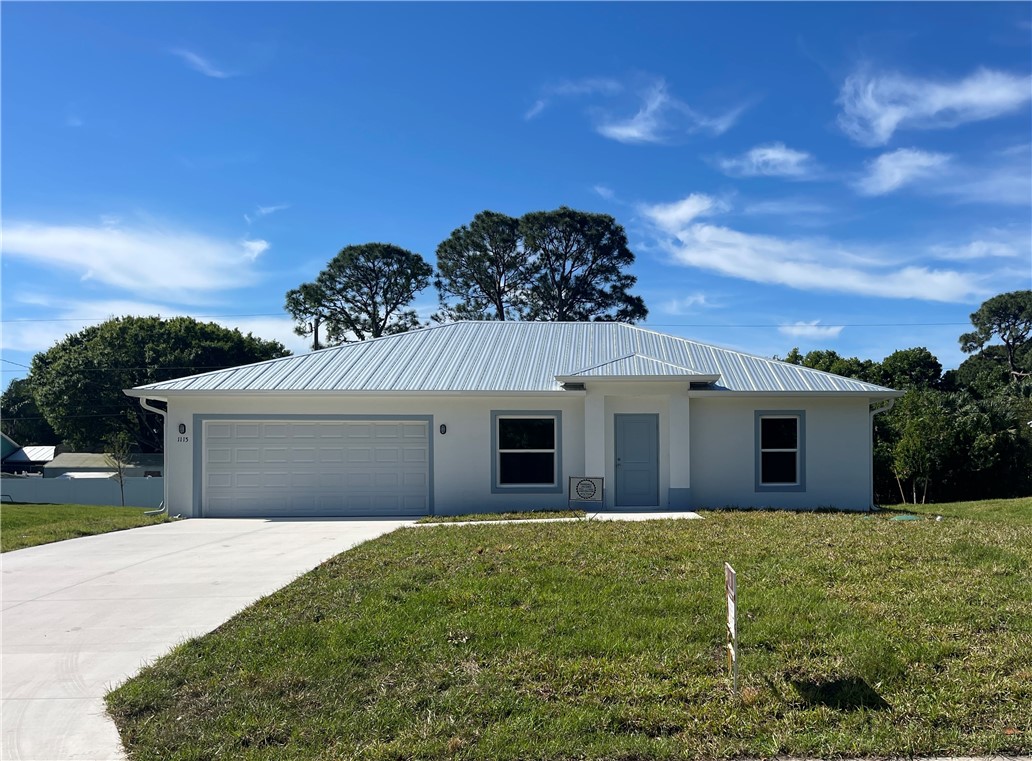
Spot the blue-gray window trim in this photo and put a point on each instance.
(557, 488)
(199, 419)
(800, 415)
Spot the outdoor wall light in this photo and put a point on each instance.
(182, 428)
(444, 429)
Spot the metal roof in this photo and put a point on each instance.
(510, 357)
(31, 454)
(633, 365)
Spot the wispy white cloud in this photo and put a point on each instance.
(535, 110)
(994, 243)
(1003, 178)
(685, 305)
(201, 64)
(661, 118)
(181, 264)
(770, 160)
(810, 264)
(891, 171)
(810, 330)
(72, 315)
(874, 106)
(254, 248)
(264, 211)
(572, 88)
(587, 86)
(658, 116)
(1007, 183)
(784, 207)
(673, 217)
(604, 192)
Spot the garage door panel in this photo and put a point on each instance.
(275, 480)
(316, 468)
(390, 455)
(359, 454)
(246, 431)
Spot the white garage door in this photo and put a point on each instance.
(315, 468)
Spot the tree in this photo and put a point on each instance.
(21, 419)
(119, 454)
(911, 368)
(1009, 317)
(303, 303)
(580, 262)
(77, 383)
(829, 361)
(362, 293)
(483, 271)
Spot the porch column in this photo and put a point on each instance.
(595, 437)
(680, 497)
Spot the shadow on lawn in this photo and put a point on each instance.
(844, 694)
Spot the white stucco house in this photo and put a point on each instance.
(492, 416)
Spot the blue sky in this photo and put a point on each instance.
(848, 176)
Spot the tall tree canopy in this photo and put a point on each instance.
(581, 261)
(21, 419)
(1008, 317)
(962, 434)
(77, 383)
(362, 293)
(483, 271)
(548, 265)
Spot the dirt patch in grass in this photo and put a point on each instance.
(859, 636)
(24, 526)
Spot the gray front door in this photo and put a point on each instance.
(637, 460)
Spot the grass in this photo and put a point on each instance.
(1017, 511)
(524, 515)
(24, 526)
(859, 636)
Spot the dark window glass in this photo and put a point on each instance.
(778, 467)
(526, 468)
(778, 432)
(526, 433)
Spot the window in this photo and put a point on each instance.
(526, 451)
(780, 462)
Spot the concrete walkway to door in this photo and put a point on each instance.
(81, 616)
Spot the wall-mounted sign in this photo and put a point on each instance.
(586, 489)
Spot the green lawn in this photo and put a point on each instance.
(525, 515)
(860, 636)
(28, 525)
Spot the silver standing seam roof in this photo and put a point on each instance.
(514, 357)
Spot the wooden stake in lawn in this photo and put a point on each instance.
(731, 587)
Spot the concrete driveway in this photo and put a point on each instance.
(81, 616)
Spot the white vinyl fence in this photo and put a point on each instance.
(139, 492)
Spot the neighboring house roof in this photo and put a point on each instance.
(100, 462)
(31, 455)
(8, 446)
(513, 357)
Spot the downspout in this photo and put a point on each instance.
(876, 410)
(163, 507)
